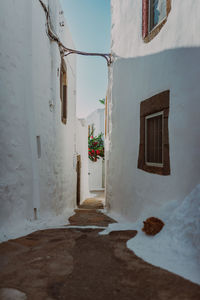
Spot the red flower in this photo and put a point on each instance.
(97, 152)
(91, 137)
(93, 151)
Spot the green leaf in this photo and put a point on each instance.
(102, 101)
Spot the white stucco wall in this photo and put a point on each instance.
(181, 29)
(29, 79)
(16, 165)
(96, 169)
(95, 174)
(142, 70)
(98, 119)
(91, 172)
(82, 149)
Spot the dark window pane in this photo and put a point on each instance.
(61, 80)
(158, 12)
(64, 104)
(154, 139)
(150, 140)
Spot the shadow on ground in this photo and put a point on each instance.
(80, 264)
(92, 203)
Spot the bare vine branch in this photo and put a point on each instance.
(65, 51)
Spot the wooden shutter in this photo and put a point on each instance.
(157, 108)
(61, 85)
(154, 140)
(64, 105)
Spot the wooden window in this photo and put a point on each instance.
(154, 16)
(157, 12)
(154, 140)
(63, 91)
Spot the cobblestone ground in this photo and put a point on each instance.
(78, 263)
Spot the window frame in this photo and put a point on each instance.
(147, 33)
(149, 17)
(152, 106)
(63, 91)
(161, 113)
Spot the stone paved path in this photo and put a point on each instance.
(80, 264)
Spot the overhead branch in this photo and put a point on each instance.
(65, 51)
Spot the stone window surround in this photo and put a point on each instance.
(154, 104)
(146, 34)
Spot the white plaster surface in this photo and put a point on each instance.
(12, 294)
(91, 172)
(141, 70)
(93, 180)
(82, 149)
(133, 191)
(98, 119)
(149, 70)
(96, 169)
(181, 29)
(30, 107)
(177, 246)
(47, 221)
(95, 174)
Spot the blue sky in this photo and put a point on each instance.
(89, 24)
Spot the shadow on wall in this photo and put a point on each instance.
(137, 79)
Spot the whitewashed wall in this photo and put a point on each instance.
(88, 167)
(96, 169)
(98, 119)
(29, 79)
(181, 29)
(95, 174)
(82, 149)
(169, 61)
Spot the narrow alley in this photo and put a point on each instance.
(99, 155)
(77, 263)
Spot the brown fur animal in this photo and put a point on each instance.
(152, 226)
